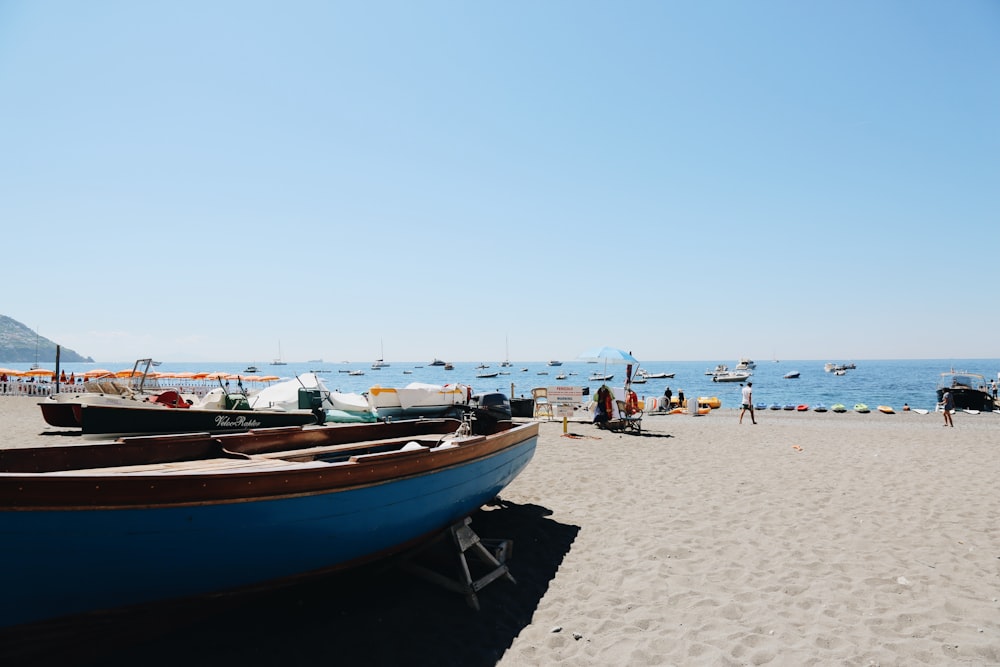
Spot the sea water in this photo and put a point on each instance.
(873, 382)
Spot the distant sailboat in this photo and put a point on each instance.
(279, 361)
(380, 362)
(506, 360)
(36, 365)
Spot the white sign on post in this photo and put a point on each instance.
(565, 395)
(564, 411)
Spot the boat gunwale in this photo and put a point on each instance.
(84, 492)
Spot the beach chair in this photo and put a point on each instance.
(627, 421)
(542, 406)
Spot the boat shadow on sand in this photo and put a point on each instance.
(375, 615)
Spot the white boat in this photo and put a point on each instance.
(791, 375)
(278, 361)
(745, 364)
(555, 363)
(653, 376)
(731, 376)
(380, 363)
(251, 369)
(419, 399)
(289, 395)
(721, 368)
(600, 377)
(561, 376)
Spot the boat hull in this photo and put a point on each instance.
(967, 399)
(96, 543)
(97, 419)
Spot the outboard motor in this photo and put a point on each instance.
(488, 411)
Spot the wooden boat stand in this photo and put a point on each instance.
(492, 553)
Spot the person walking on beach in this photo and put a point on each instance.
(667, 394)
(949, 405)
(747, 400)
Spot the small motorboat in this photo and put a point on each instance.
(802, 408)
(775, 406)
(819, 407)
(886, 409)
(791, 375)
(861, 407)
(731, 376)
(788, 406)
(761, 406)
(839, 407)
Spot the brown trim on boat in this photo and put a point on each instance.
(69, 488)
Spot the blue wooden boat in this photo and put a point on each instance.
(103, 526)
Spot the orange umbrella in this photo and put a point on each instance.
(97, 373)
(268, 378)
(39, 371)
(127, 373)
(218, 375)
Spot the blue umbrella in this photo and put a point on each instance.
(612, 354)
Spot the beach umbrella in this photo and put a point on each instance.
(96, 373)
(610, 355)
(39, 371)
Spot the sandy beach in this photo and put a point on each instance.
(807, 539)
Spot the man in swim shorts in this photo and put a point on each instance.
(747, 393)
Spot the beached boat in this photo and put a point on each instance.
(169, 413)
(308, 392)
(839, 407)
(969, 391)
(862, 408)
(419, 399)
(886, 409)
(138, 386)
(819, 407)
(143, 520)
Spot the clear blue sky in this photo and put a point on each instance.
(687, 180)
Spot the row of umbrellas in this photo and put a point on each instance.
(97, 373)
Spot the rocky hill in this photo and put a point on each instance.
(20, 344)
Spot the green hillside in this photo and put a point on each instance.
(20, 344)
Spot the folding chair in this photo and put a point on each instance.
(627, 421)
